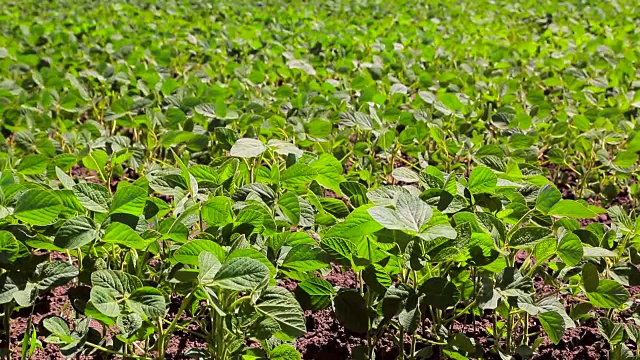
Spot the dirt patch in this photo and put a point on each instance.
(581, 342)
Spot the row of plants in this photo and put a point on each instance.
(440, 247)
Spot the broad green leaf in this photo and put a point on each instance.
(147, 302)
(188, 253)
(32, 165)
(247, 148)
(217, 211)
(104, 300)
(329, 172)
(297, 174)
(206, 110)
(351, 311)
(359, 223)
(55, 273)
(341, 250)
(356, 192)
(209, 266)
(590, 277)
(377, 278)
(528, 235)
(8, 286)
(118, 283)
(317, 293)
(570, 249)
(304, 258)
(278, 304)
(290, 207)
(553, 324)
(96, 160)
(284, 352)
(613, 332)
(57, 326)
(255, 255)
(10, 249)
(94, 197)
(481, 180)
(548, 196)
(129, 199)
(128, 324)
(571, 209)
(38, 207)
(440, 293)
(75, 233)
(405, 175)
(410, 314)
(242, 274)
(608, 295)
(121, 234)
(410, 214)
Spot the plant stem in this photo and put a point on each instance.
(8, 309)
(509, 330)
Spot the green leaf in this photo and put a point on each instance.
(104, 301)
(55, 273)
(290, 207)
(570, 249)
(118, 283)
(278, 304)
(528, 235)
(8, 286)
(304, 257)
(247, 148)
(94, 197)
(96, 160)
(405, 175)
(410, 214)
(206, 110)
(590, 277)
(297, 174)
(553, 324)
(410, 314)
(608, 295)
(358, 224)
(57, 326)
(318, 128)
(350, 310)
(128, 324)
(341, 250)
(548, 196)
(75, 233)
(121, 234)
(217, 211)
(242, 274)
(188, 253)
(32, 165)
(38, 207)
(318, 293)
(613, 332)
(10, 249)
(482, 180)
(129, 199)
(209, 266)
(284, 352)
(440, 293)
(571, 209)
(377, 278)
(147, 302)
